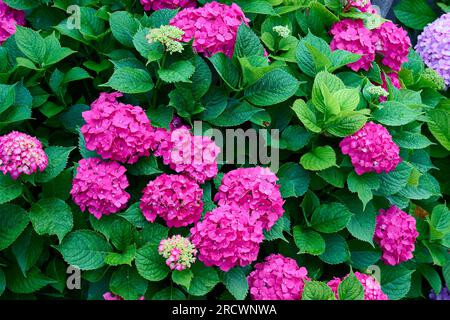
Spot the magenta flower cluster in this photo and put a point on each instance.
(254, 190)
(372, 289)
(213, 27)
(167, 4)
(178, 251)
(21, 154)
(9, 19)
(100, 187)
(371, 149)
(353, 36)
(362, 5)
(395, 233)
(227, 237)
(277, 278)
(175, 198)
(433, 45)
(193, 156)
(388, 40)
(117, 131)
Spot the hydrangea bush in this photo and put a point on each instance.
(103, 167)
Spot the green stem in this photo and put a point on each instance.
(158, 82)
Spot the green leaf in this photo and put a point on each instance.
(27, 249)
(31, 44)
(394, 181)
(9, 189)
(350, 288)
(183, 101)
(362, 224)
(294, 138)
(150, 264)
(122, 234)
(281, 226)
(415, 14)
(325, 84)
(340, 58)
(127, 283)
(306, 116)
(330, 217)
(134, 215)
(445, 272)
(2, 282)
(363, 185)
(235, 281)
(202, 77)
(51, 216)
(151, 51)
(346, 123)
(410, 140)
(333, 176)
(92, 27)
(336, 249)
(57, 161)
(316, 290)
(395, 281)
(440, 126)
(204, 280)
(180, 71)
(320, 158)
(363, 254)
(313, 54)
(235, 114)
(33, 282)
(274, 87)
(22, 4)
(115, 259)
(7, 96)
(59, 187)
(130, 80)
(123, 27)
(440, 221)
(53, 51)
(294, 180)
(308, 241)
(394, 113)
(153, 233)
(13, 221)
(432, 277)
(85, 249)
(183, 278)
(171, 293)
(226, 69)
(247, 43)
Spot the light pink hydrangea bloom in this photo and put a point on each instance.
(100, 187)
(393, 43)
(9, 18)
(227, 238)
(175, 198)
(213, 27)
(371, 149)
(111, 296)
(372, 289)
(193, 156)
(21, 154)
(179, 252)
(167, 4)
(396, 233)
(353, 36)
(117, 131)
(277, 278)
(254, 190)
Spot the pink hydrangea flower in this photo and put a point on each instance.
(21, 154)
(179, 252)
(393, 76)
(393, 43)
(254, 190)
(213, 27)
(117, 131)
(371, 149)
(396, 233)
(167, 4)
(227, 237)
(353, 36)
(362, 5)
(175, 198)
(100, 187)
(9, 18)
(277, 278)
(372, 289)
(111, 296)
(193, 156)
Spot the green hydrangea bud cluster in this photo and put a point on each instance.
(178, 251)
(377, 91)
(435, 78)
(169, 36)
(282, 31)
